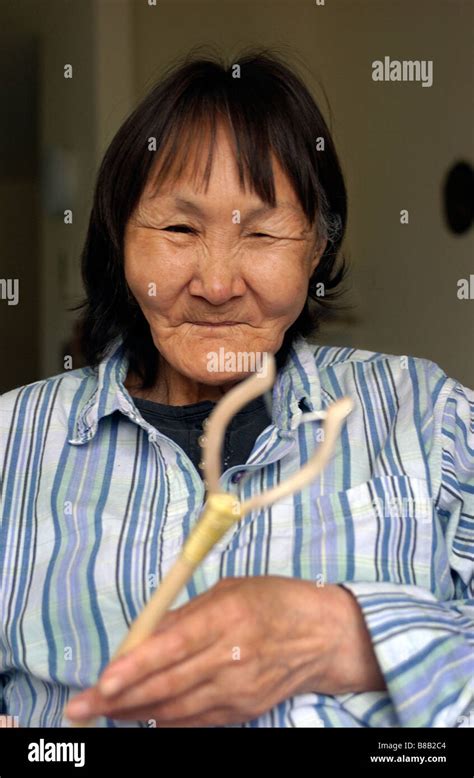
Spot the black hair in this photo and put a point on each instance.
(268, 109)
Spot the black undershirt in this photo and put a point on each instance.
(183, 424)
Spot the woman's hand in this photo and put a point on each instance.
(234, 652)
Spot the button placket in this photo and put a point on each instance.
(201, 440)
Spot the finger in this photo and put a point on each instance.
(189, 635)
(190, 706)
(169, 684)
(85, 705)
(214, 717)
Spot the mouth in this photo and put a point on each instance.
(216, 324)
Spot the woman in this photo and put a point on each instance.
(218, 216)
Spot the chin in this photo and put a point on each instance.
(215, 379)
(219, 362)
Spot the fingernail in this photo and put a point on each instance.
(111, 685)
(78, 709)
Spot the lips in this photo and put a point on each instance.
(216, 323)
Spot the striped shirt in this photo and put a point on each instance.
(97, 504)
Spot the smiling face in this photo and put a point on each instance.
(217, 268)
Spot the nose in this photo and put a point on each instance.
(217, 276)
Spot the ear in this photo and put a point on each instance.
(319, 251)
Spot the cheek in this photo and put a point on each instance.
(155, 274)
(281, 281)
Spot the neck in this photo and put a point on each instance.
(173, 388)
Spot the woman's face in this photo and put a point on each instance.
(218, 268)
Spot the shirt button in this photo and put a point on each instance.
(237, 476)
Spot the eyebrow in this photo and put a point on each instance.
(260, 210)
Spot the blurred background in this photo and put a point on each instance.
(400, 145)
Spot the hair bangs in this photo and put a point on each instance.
(183, 153)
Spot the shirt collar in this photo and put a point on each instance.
(297, 389)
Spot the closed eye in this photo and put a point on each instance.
(260, 235)
(179, 228)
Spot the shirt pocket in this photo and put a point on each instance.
(379, 530)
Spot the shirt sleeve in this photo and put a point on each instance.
(4, 427)
(3, 710)
(425, 648)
